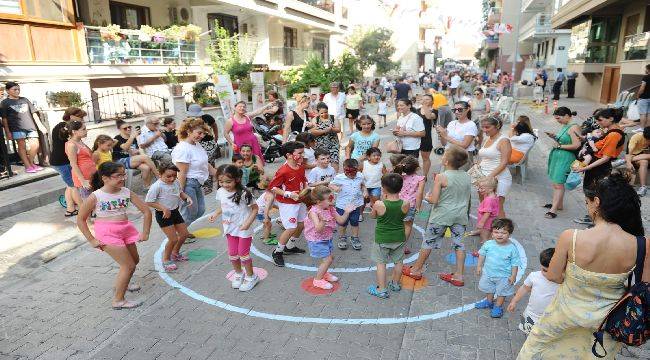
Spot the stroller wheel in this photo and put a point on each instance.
(62, 201)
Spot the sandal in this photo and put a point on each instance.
(126, 304)
(271, 240)
(550, 215)
(134, 287)
(547, 206)
(394, 286)
(406, 270)
(179, 257)
(374, 291)
(71, 213)
(450, 279)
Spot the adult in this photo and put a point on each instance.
(353, 104)
(493, 158)
(522, 138)
(335, 101)
(194, 168)
(402, 90)
(241, 128)
(643, 101)
(480, 104)
(151, 140)
(429, 116)
(460, 132)
(571, 84)
(169, 132)
(325, 129)
(609, 148)
(466, 86)
(21, 123)
(60, 162)
(557, 86)
(275, 107)
(297, 120)
(454, 83)
(313, 101)
(592, 267)
(126, 152)
(538, 89)
(209, 144)
(638, 156)
(410, 128)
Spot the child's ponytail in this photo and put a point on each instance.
(407, 166)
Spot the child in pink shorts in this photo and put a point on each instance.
(114, 233)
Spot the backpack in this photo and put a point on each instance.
(628, 321)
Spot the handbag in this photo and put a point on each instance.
(394, 146)
(628, 321)
(633, 111)
(573, 180)
(475, 173)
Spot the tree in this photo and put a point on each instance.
(374, 47)
(344, 69)
(224, 51)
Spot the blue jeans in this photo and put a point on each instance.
(197, 209)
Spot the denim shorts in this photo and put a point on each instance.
(375, 192)
(126, 162)
(410, 215)
(353, 219)
(320, 249)
(499, 286)
(66, 173)
(644, 105)
(23, 134)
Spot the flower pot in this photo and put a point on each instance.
(177, 90)
(144, 37)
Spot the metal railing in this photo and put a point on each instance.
(125, 103)
(327, 5)
(292, 56)
(636, 46)
(133, 50)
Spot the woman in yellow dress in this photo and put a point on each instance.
(592, 267)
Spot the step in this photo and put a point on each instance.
(28, 196)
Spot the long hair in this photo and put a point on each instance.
(235, 173)
(100, 139)
(69, 127)
(407, 166)
(105, 169)
(619, 203)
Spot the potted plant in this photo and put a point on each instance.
(246, 88)
(110, 33)
(174, 81)
(146, 33)
(65, 98)
(192, 33)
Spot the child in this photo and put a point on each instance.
(238, 161)
(319, 229)
(382, 110)
(264, 204)
(80, 155)
(237, 210)
(165, 196)
(541, 292)
(363, 139)
(287, 184)
(372, 170)
(450, 198)
(412, 191)
(488, 209)
(501, 260)
(114, 233)
(388, 246)
(588, 149)
(103, 149)
(396, 159)
(323, 173)
(351, 191)
(310, 155)
(252, 168)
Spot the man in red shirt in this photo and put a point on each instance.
(287, 184)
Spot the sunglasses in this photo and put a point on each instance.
(458, 109)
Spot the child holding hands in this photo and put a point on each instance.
(351, 191)
(488, 209)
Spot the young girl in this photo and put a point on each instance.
(165, 196)
(80, 157)
(319, 228)
(412, 191)
(362, 140)
(114, 233)
(103, 149)
(373, 169)
(254, 166)
(237, 210)
(382, 110)
(487, 210)
(264, 206)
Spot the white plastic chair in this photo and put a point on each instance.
(512, 112)
(522, 165)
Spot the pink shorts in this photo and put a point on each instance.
(116, 233)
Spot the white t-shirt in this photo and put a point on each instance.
(157, 145)
(318, 174)
(309, 156)
(411, 122)
(195, 156)
(233, 215)
(458, 131)
(382, 108)
(455, 82)
(168, 195)
(523, 142)
(372, 174)
(261, 203)
(335, 106)
(541, 294)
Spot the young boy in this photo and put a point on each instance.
(382, 110)
(500, 258)
(541, 292)
(264, 206)
(388, 246)
(323, 173)
(287, 184)
(238, 161)
(450, 199)
(351, 191)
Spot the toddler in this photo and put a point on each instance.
(541, 292)
(488, 209)
(264, 205)
(363, 139)
(412, 191)
(114, 233)
(388, 246)
(323, 173)
(372, 170)
(103, 149)
(238, 161)
(165, 196)
(319, 228)
(351, 191)
(501, 261)
(395, 159)
(382, 110)
(450, 199)
(588, 149)
(237, 210)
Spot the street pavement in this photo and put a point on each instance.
(61, 309)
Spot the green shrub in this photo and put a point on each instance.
(65, 98)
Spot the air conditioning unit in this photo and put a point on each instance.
(179, 15)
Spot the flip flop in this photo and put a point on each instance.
(134, 287)
(550, 215)
(71, 213)
(406, 270)
(126, 304)
(547, 206)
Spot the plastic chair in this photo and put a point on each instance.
(522, 165)
(512, 112)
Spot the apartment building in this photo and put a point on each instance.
(609, 44)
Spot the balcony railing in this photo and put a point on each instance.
(292, 56)
(327, 5)
(636, 46)
(133, 50)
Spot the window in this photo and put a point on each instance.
(225, 21)
(129, 16)
(290, 37)
(51, 10)
(10, 7)
(553, 46)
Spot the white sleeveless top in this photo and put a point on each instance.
(491, 158)
(372, 174)
(112, 205)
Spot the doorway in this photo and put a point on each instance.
(609, 89)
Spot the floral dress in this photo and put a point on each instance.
(329, 142)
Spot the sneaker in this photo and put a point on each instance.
(249, 283)
(586, 220)
(343, 242)
(331, 278)
(484, 304)
(37, 168)
(170, 266)
(642, 190)
(30, 170)
(237, 280)
(496, 312)
(394, 286)
(294, 250)
(355, 242)
(180, 257)
(322, 284)
(278, 258)
(374, 291)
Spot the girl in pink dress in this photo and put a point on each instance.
(242, 129)
(488, 209)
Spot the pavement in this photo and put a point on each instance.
(60, 309)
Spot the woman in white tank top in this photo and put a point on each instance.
(494, 156)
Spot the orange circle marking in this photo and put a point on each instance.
(408, 283)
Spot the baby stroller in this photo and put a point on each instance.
(271, 141)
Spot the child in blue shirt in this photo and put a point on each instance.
(351, 190)
(498, 263)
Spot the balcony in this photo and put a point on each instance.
(285, 56)
(636, 46)
(327, 5)
(424, 47)
(494, 16)
(539, 26)
(533, 5)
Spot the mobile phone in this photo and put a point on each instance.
(137, 128)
